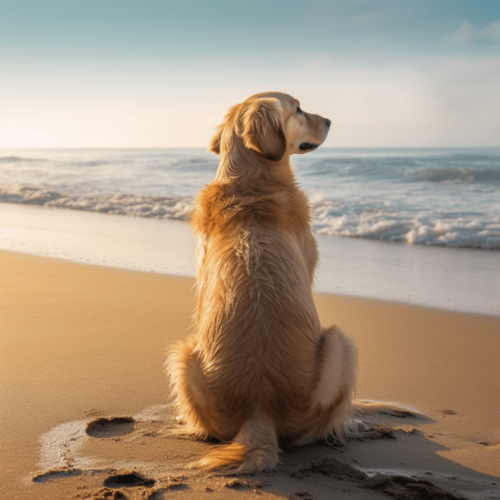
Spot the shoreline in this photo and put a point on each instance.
(317, 293)
(83, 342)
(446, 278)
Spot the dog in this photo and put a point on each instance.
(259, 369)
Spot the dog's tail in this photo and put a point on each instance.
(254, 449)
(367, 407)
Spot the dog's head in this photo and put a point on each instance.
(273, 125)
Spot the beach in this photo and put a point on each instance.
(97, 265)
(79, 342)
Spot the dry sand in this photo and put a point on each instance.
(78, 343)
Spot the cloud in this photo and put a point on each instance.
(492, 31)
(467, 33)
(462, 35)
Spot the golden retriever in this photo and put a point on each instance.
(259, 368)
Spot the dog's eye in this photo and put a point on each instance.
(299, 111)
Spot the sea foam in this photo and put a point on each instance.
(157, 207)
(329, 217)
(466, 231)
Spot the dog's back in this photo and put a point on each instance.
(256, 317)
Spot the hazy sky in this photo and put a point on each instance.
(159, 73)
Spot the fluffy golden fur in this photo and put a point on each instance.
(259, 368)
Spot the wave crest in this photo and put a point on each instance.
(458, 175)
(330, 217)
(339, 219)
(157, 207)
(18, 159)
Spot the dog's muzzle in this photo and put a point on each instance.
(307, 146)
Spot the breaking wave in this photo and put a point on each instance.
(452, 230)
(330, 217)
(157, 207)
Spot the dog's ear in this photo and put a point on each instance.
(215, 142)
(261, 128)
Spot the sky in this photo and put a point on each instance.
(162, 73)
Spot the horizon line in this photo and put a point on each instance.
(206, 149)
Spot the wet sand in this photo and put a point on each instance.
(457, 279)
(81, 342)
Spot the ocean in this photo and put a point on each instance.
(419, 226)
(438, 197)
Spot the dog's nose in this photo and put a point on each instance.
(328, 122)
